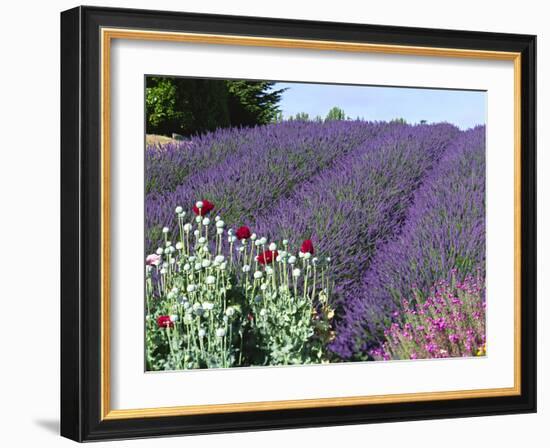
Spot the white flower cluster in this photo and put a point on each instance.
(213, 284)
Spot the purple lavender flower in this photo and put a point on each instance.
(444, 235)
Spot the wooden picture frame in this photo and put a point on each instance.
(86, 35)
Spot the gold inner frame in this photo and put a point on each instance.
(107, 35)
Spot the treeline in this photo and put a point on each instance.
(333, 114)
(189, 106)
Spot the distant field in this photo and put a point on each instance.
(152, 139)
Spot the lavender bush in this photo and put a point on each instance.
(359, 201)
(168, 165)
(261, 172)
(444, 231)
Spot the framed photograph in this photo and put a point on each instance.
(276, 224)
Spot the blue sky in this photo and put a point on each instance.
(463, 108)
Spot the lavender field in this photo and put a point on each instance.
(304, 242)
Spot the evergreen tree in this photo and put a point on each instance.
(189, 106)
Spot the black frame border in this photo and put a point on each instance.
(81, 223)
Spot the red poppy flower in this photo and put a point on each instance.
(164, 322)
(243, 233)
(267, 257)
(206, 208)
(307, 246)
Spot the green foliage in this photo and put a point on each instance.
(300, 116)
(399, 120)
(278, 117)
(160, 103)
(208, 310)
(190, 106)
(335, 114)
(252, 102)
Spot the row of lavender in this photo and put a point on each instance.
(264, 165)
(443, 239)
(386, 201)
(361, 201)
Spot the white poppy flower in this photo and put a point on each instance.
(179, 209)
(210, 280)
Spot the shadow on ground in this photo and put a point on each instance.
(51, 426)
